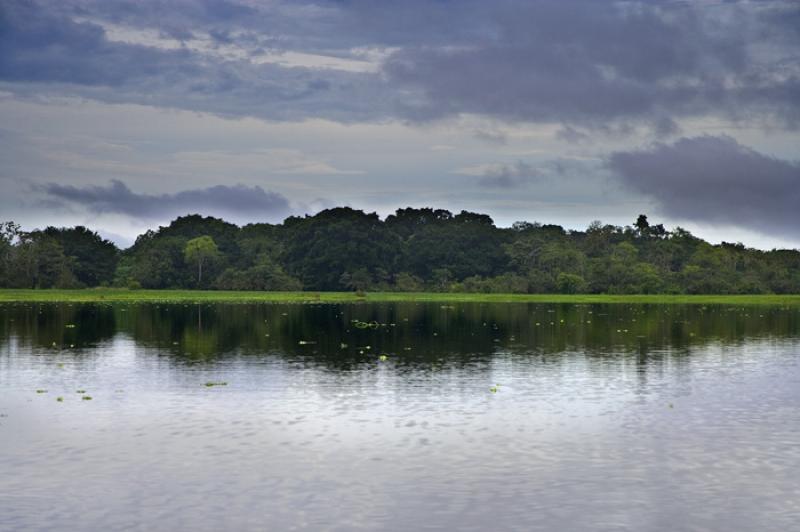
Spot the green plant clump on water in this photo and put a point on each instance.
(86, 398)
(210, 384)
(358, 324)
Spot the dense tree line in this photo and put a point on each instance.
(411, 250)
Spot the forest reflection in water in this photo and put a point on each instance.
(399, 416)
(340, 336)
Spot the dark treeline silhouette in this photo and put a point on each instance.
(411, 250)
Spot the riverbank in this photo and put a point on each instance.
(134, 296)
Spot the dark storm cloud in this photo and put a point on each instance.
(716, 179)
(236, 201)
(36, 47)
(589, 62)
(49, 53)
(580, 63)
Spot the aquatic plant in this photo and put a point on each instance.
(358, 324)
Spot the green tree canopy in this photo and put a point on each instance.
(412, 249)
(200, 251)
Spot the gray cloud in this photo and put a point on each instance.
(492, 137)
(572, 135)
(509, 175)
(46, 51)
(586, 62)
(580, 63)
(717, 180)
(237, 202)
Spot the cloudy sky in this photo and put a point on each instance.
(121, 115)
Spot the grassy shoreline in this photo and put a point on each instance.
(135, 296)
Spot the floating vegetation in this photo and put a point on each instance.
(306, 342)
(80, 391)
(493, 389)
(342, 345)
(86, 398)
(383, 358)
(41, 391)
(210, 384)
(60, 399)
(358, 324)
(70, 325)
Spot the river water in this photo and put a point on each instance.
(399, 417)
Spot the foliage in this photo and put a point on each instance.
(264, 275)
(570, 283)
(123, 295)
(413, 250)
(92, 258)
(201, 250)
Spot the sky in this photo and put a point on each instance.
(122, 115)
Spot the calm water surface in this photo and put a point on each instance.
(605, 417)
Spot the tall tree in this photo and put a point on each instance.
(200, 251)
(642, 226)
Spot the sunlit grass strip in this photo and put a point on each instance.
(133, 296)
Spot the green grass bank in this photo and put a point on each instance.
(134, 296)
